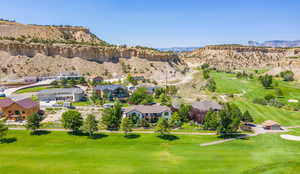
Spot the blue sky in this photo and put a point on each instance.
(166, 23)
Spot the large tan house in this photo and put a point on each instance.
(18, 110)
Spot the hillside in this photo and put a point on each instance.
(33, 50)
(238, 57)
(276, 43)
(47, 34)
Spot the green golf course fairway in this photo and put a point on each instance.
(250, 89)
(61, 153)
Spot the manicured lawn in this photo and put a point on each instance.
(82, 103)
(229, 84)
(295, 131)
(58, 152)
(33, 89)
(261, 113)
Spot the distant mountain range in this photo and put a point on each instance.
(178, 49)
(276, 43)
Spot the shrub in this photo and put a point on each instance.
(287, 75)
(274, 102)
(266, 80)
(269, 97)
(204, 66)
(260, 101)
(211, 85)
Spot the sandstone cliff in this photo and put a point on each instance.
(24, 59)
(47, 33)
(242, 56)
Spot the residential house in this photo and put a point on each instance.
(150, 88)
(32, 79)
(138, 77)
(95, 79)
(199, 109)
(68, 76)
(61, 94)
(18, 110)
(151, 113)
(112, 92)
(271, 125)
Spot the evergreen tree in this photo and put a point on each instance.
(126, 125)
(162, 126)
(230, 117)
(140, 96)
(211, 120)
(175, 120)
(111, 117)
(205, 74)
(266, 81)
(142, 122)
(90, 125)
(211, 85)
(247, 117)
(3, 129)
(184, 112)
(33, 122)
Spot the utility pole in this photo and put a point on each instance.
(166, 82)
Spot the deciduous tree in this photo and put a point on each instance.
(90, 125)
(72, 120)
(33, 122)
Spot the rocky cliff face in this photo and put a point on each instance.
(49, 33)
(93, 53)
(242, 56)
(24, 59)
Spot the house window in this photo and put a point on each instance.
(23, 112)
(166, 113)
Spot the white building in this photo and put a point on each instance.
(61, 94)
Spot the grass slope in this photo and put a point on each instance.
(33, 89)
(58, 152)
(228, 83)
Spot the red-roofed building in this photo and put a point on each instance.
(18, 110)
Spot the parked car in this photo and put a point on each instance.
(2, 94)
(108, 105)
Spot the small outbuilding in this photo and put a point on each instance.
(271, 125)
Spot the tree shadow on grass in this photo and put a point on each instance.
(240, 136)
(132, 136)
(8, 140)
(168, 137)
(40, 132)
(97, 136)
(94, 136)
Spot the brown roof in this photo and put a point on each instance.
(6, 102)
(27, 103)
(206, 105)
(270, 123)
(148, 108)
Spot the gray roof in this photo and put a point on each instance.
(109, 87)
(206, 105)
(61, 91)
(147, 108)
